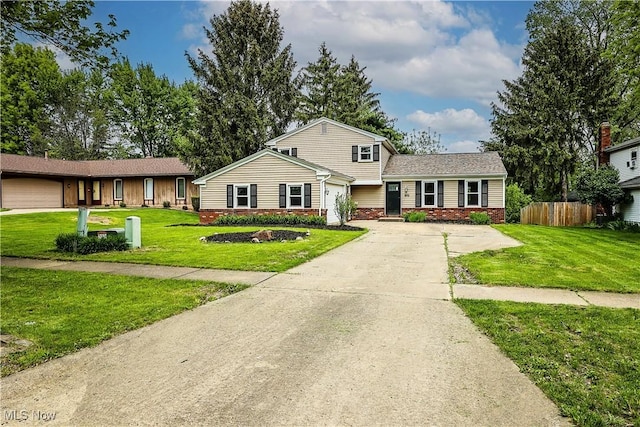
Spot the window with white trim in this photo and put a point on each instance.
(148, 188)
(473, 193)
(295, 195)
(117, 189)
(634, 155)
(429, 189)
(365, 153)
(286, 151)
(181, 188)
(241, 196)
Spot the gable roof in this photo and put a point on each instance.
(321, 170)
(93, 168)
(375, 137)
(631, 183)
(454, 164)
(625, 144)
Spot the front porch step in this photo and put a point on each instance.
(391, 219)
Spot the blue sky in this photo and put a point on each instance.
(436, 64)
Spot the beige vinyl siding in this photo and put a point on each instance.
(333, 150)
(267, 173)
(384, 156)
(451, 193)
(368, 196)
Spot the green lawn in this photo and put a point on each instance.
(63, 311)
(561, 257)
(33, 235)
(585, 359)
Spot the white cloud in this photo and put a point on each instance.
(432, 48)
(463, 147)
(466, 123)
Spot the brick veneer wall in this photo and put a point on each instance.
(368, 213)
(209, 215)
(458, 214)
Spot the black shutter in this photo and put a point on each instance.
(294, 152)
(275, 149)
(354, 153)
(230, 196)
(283, 195)
(376, 153)
(418, 194)
(253, 192)
(461, 193)
(307, 195)
(485, 193)
(441, 194)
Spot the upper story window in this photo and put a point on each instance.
(365, 153)
(288, 151)
(429, 193)
(117, 189)
(473, 193)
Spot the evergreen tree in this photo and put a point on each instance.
(545, 123)
(247, 92)
(320, 86)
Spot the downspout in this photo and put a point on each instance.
(322, 194)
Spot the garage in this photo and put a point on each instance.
(332, 190)
(31, 193)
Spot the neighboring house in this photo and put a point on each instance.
(37, 182)
(625, 158)
(302, 171)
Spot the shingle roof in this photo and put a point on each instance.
(454, 164)
(631, 183)
(93, 168)
(625, 144)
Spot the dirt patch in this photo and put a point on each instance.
(462, 275)
(95, 219)
(277, 236)
(10, 344)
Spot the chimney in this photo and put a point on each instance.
(605, 142)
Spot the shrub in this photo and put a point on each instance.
(415, 216)
(270, 220)
(516, 199)
(166, 204)
(123, 205)
(480, 218)
(195, 202)
(345, 207)
(185, 208)
(622, 225)
(144, 205)
(71, 242)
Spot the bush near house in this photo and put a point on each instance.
(415, 216)
(516, 199)
(480, 218)
(270, 220)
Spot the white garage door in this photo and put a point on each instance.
(334, 190)
(31, 193)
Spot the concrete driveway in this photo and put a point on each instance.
(364, 335)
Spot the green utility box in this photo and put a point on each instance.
(132, 231)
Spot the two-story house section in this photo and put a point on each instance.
(625, 157)
(302, 172)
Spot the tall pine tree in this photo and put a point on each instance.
(545, 122)
(247, 91)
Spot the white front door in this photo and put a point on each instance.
(332, 190)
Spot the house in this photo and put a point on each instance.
(302, 171)
(41, 182)
(624, 157)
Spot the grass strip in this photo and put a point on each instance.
(63, 311)
(585, 359)
(561, 257)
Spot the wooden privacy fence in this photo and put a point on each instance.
(557, 214)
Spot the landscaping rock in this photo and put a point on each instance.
(299, 238)
(255, 240)
(263, 235)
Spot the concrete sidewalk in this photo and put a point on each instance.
(143, 270)
(463, 291)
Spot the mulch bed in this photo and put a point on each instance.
(318, 227)
(278, 235)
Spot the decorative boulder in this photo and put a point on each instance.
(299, 238)
(255, 240)
(263, 235)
